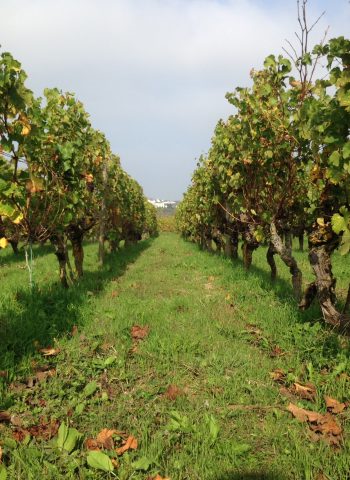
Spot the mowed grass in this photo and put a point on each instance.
(214, 331)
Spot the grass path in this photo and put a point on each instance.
(197, 391)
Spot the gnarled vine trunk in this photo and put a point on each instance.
(14, 245)
(76, 236)
(218, 240)
(249, 245)
(322, 242)
(270, 257)
(286, 256)
(288, 239)
(61, 254)
(208, 243)
(320, 260)
(231, 244)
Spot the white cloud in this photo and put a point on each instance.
(152, 73)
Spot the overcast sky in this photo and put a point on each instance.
(153, 73)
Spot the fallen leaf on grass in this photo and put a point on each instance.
(105, 438)
(114, 294)
(20, 434)
(278, 375)
(74, 331)
(3, 373)
(5, 417)
(16, 421)
(172, 392)
(287, 393)
(307, 392)
(130, 444)
(49, 352)
(323, 426)
(334, 406)
(91, 444)
(139, 333)
(277, 352)
(304, 415)
(44, 430)
(42, 375)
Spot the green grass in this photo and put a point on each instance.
(230, 422)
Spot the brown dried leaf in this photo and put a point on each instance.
(130, 444)
(3, 374)
(16, 421)
(304, 415)
(278, 375)
(91, 444)
(20, 434)
(139, 333)
(44, 430)
(49, 352)
(287, 393)
(333, 405)
(327, 425)
(5, 417)
(43, 375)
(172, 392)
(322, 426)
(307, 392)
(104, 438)
(277, 352)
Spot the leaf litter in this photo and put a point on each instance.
(138, 334)
(173, 392)
(322, 426)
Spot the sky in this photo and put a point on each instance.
(153, 74)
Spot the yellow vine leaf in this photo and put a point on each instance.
(3, 242)
(18, 219)
(25, 130)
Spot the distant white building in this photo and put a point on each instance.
(162, 203)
